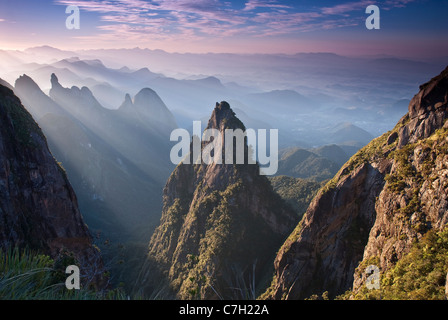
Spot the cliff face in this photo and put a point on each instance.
(38, 207)
(220, 223)
(381, 202)
(427, 110)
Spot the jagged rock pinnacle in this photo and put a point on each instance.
(224, 105)
(127, 98)
(223, 118)
(427, 110)
(433, 95)
(54, 81)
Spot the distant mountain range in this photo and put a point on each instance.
(318, 164)
(304, 91)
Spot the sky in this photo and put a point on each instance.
(408, 28)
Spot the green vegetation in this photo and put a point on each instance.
(406, 179)
(376, 149)
(214, 245)
(419, 275)
(296, 191)
(405, 172)
(25, 275)
(22, 121)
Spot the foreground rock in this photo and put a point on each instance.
(384, 199)
(38, 207)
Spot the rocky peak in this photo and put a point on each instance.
(55, 82)
(74, 91)
(427, 110)
(223, 118)
(79, 102)
(431, 97)
(26, 83)
(37, 102)
(127, 103)
(6, 84)
(152, 110)
(144, 96)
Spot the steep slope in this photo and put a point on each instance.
(6, 84)
(108, 184)
(384, 199)
(221, 223)
(36, 101)
(116, 160)
(38, 207)
(143, 142)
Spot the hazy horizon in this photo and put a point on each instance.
(319, 56)
(408, 28)
(348, 55)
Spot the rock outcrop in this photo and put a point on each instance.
(38, 207)
(384, 199)
(427, 110)
(148, 109)
(221, 223)
(38, 104)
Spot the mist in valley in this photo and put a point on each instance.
(108, 115)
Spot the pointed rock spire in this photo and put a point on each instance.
(55, 81)
(223, 118)
(224, 215)
(127, 103)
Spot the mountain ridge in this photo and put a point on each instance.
(386, 197)
(39, 209)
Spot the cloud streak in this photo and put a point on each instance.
(271, 4)
(195, 19)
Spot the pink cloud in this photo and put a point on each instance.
(254, 4)
(196, 19)
(344, 8)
